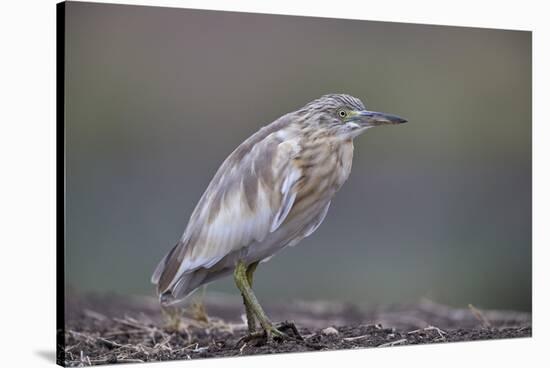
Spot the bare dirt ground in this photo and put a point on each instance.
(107, 329)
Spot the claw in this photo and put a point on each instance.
(271, 334)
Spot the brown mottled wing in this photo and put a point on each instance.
(249, 197)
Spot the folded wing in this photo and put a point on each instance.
(249, 197)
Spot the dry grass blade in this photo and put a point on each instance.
(197, 311)
(479, 316)
(429, 328)
(392, 343)
(95, 315)
(355, 338)
(109, 343)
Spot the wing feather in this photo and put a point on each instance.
(249, 197)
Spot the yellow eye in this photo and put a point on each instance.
(342, 113)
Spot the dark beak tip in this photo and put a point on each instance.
(398, 120)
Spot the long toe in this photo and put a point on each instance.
(289, 328)
(288, 331)
(285, 331)
(270, 335)
(254, 339)
(273, 334)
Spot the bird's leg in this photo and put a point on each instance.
(250, 272)
(270, 331)
(250, 319)
(251, 301)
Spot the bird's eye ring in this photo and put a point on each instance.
(342, 113)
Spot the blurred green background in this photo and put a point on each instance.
(156, 98)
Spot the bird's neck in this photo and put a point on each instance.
(327, 159)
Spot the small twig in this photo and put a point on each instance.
(355, 338)
(128, 321)
(392, 343)
(429, 328)
(242, 348)
(123, 332)
(163, 343)
(71, 347)
(109, 343)
(200, 349)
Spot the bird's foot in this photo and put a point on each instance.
(283, 331)
(291, 331)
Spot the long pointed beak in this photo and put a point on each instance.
(373, 118)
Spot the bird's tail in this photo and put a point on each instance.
(164, 275)
(182, 289)
(172, 286)
(159, 272)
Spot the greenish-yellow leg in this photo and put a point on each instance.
(250, 319)
(251, 302)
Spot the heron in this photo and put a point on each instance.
(271, 192)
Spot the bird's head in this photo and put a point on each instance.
(344, 115)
